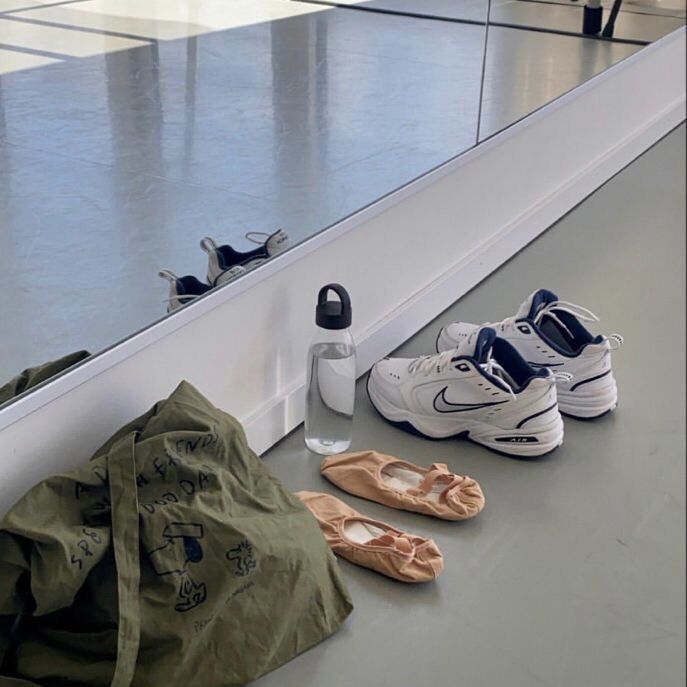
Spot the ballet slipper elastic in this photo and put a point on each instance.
(399, 484)
(373, 544)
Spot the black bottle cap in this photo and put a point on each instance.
(333, 314)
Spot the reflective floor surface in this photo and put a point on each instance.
(116, 165)
(635, 22)
(130, 129)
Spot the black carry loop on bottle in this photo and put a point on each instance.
(333, 314)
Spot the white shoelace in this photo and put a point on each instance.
(257, 237)
(491, 367)
(178, 298)
(208, 244)
(581, 313)
(571, 308)
(426, 364)
(438, 362)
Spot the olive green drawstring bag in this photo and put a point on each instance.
(33, 376)
(171, 559)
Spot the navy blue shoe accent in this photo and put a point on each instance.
(520, 371)
(485, 341)
(507, 356)
(542, 297)
(441, 405)
(531, 417)
(190, 286)
(568, 343)
(229, 257)
(517, 440)
(591, 379)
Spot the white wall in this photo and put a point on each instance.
(404, 260)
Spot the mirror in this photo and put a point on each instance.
(636, 22)
(150, 153)
(139, 139)
(537, 50)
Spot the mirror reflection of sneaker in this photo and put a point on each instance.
(550, 333)
(182, 290)
(221, 259)
(482, 390)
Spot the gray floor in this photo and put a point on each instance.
(115, 165)
(574, 574)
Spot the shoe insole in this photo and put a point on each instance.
(403, 479)
(362, 532)
(553, 330)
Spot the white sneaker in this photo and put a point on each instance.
(549, 333)
(182, 290)
(483, 390)
(223, 259)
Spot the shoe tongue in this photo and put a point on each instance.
(478, 345)
(277, 242)
(536, 301)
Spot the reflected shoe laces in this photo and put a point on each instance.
(224, 258)
(549, 310)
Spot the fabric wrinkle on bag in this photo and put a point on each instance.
(172, 558)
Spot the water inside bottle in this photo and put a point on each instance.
(330, 397)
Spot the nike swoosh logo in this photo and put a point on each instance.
(441, 405)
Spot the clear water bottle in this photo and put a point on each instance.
(330, 394)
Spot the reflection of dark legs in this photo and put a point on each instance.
(609, 29)
(592, 18)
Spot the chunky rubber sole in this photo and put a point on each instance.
(589, 400)
(591, 418)
(526, 442)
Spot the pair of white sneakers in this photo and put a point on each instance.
(224, 265)
(504, 385)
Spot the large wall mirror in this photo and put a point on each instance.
(150, 152)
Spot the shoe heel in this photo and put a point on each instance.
(589, 399)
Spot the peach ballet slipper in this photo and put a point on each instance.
(403, 485)
(373, 544)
